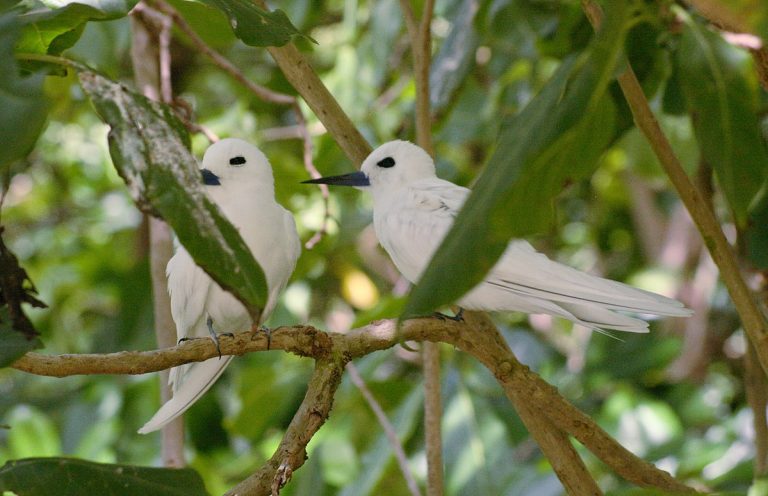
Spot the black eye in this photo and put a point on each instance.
(386, 162)
(239, 160)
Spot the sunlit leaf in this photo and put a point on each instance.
(21, 99)
(149, 148)
(54, 30)
(256, 26)
(70, 476)
(723, 106)
(512, 196)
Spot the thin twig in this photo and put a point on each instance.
(164, 39)
(389, 429)
(421, 50)
(309, 165)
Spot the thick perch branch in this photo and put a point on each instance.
(476, 336)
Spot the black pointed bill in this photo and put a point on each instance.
(357, 179)
(210, 178)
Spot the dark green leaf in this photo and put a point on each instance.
(527, 169)
(455, 57)
(255, 26)
(756, 234)
(149, 148)
(21, 99)
(53, 31)
(13, 344)
(70, 476)
(723, 106)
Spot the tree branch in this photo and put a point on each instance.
(476, 335)
(304, 79)
(310, 416)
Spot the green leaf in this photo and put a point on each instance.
(723, 105)
(537, 153)
(256, 26)
(149, 148)
(70, 476)
(756, 235)
(455, 58)
(52, 31)
(21, 99)
(13, 344)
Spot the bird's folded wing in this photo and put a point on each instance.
(420, 219)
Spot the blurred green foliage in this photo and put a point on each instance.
(71, 222)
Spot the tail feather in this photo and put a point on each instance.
(522, 270)
(599, 318)
(196, 382)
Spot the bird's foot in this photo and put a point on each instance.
(459, 317)
(267, 332)
(214, 336)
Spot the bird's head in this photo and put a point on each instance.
(388, 167)
(234, 161)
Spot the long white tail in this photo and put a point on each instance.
(197, 381)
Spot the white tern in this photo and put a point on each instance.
(238, 178)
(413, 210)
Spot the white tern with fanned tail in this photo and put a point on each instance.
(413, 210)
(238, 178)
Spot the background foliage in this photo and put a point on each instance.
(675, 396)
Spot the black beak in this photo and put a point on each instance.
(210, 178)
(352, 179)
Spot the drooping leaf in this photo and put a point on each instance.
(150, 149)
(528, 168)
(54, 30)
(71, 476)
(256, 26)
(21, 99)
(723, 106)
